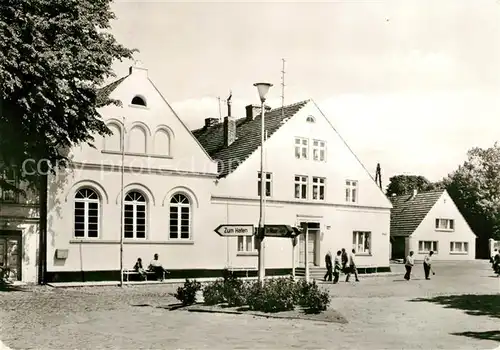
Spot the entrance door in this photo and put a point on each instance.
(313, 234)
(10, 256)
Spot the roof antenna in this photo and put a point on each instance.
(220, 110)
(283, 89)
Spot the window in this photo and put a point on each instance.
(310, 119)
(138, 101)
(9, 195)
(318, 188)
(319, 150)
(351, 191)
(427, 246)
(246, 244)
(86, 214)
(300, 187)
(361, 242)
(459, 247)
(135, 215)
(180, 217)
(445, 224)
(267, 184)
(301, 148)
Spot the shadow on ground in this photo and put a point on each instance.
(5, 287)
(488, 335)
(471, 304)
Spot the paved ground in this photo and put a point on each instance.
(383, 313)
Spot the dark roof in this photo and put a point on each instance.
(104, 92)
(248, 134)
(407, 212)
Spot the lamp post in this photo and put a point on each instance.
(263, 89)
(121, 202)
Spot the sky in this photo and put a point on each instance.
(410, 84)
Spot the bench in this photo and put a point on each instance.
(246, 269)
(128, 272)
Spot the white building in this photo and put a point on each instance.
(427, 221)
(180, 185)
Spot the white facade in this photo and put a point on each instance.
(445, 231)
(163, 162)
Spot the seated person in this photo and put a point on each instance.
(139, 269)
(156, 266)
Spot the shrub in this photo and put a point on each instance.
(213, 293)
(311, 297)
(187, 294)
(276, 295)
(235, 292)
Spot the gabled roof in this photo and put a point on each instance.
(408, 211)
(248, 136)
(104, 92)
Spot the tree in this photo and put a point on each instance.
(475, 188)
(405, 184)
(54, 55)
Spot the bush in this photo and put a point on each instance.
(235, 292)
(213, 293)
(187, 294)
(311, 297)
(276, 295)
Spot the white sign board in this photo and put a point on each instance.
(234, 230)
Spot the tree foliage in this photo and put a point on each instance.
(54, 55)
(405, 184)
(475, 188)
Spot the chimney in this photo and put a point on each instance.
(210, 122)
(229, 104)
(139, 69)
(415, 191)
(252, 111)
(229, 131)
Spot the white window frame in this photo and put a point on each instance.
(319, 150)
(302, 181)
(242, 244)
(269, 181)
(136, 203)
(87, 200)
(318, 183)
(301, 148)
(351, 191)
(362, 242)
(184, 204)
(464, 247)
(444, 224)
(434, 246)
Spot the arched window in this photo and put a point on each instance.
(113, 142)
(135, 215)
(180, 217)
(310, 119)
(162, 143)
(86, 213)
(138, 101)
(137, 140)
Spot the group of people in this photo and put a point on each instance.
(410, 262)
(495, 261)
(154, 266)
(342, 263)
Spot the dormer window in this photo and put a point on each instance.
(310, 119)
(138, 101)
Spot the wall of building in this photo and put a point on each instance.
(426, 231)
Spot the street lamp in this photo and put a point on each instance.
(263, 89)
(121, 202)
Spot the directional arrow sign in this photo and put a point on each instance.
(278, 231)
(234, 230)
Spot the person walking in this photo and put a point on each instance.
(352, 267)
(427, 265)
(345, 258)
(408, 265)
(338, 267)
(329, 266)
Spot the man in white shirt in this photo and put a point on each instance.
(156, 266)
(352, 266)
(427, 264)
(408, 265)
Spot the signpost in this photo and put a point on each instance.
(278, 231)
(230, 230)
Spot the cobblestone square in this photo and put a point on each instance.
(457, 309)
